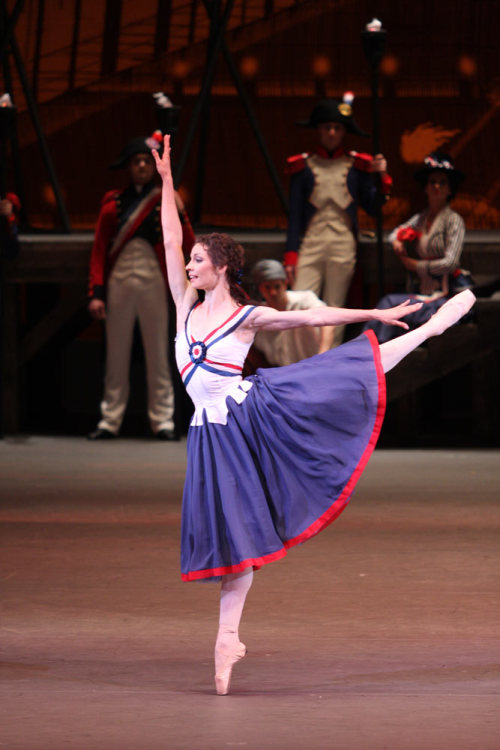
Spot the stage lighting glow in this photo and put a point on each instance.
(180, 69)
(249, 66)
(467, 66)
(321, 66)
(389, 65)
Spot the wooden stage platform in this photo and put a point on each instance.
(382, 632)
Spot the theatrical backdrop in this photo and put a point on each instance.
(93, 65)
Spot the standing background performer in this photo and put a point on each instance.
(10, 208)
(325, 190)
(128, 282)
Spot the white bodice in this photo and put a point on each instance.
(211, 369)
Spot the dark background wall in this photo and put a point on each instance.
(440, 86)
(93, 66)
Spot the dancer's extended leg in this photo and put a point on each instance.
(228, 649)
(394, 351)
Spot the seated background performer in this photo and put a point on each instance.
(325, 190)
(10, 208)
(293, 344)
(436, 237)
(128, 282)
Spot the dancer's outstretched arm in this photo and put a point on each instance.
(172, 231)
(265, 318)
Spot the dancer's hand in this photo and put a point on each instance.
(6, 207)
(391, 317)
(399, 247)
(163, 165)
(290, 275)
(97, 309)
(379, 164)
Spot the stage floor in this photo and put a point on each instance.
(382, 632)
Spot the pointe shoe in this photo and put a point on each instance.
(223, 676)
(452, 310)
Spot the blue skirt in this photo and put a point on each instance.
(285, 464)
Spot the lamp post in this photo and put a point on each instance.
(373, 39)
(7, 113)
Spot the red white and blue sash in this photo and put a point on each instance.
(198, 349)
(134, 220)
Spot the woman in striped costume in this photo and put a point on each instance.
(429, 246)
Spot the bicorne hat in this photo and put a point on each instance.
(331, 110)
(141, 145)
(439, 162)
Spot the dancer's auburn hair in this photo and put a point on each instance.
(224, 251)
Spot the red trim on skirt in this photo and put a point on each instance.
(254, 562)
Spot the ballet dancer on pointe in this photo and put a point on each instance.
(273, 458)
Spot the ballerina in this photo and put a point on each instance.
(274, 458)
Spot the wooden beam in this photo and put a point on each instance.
(111, 37)
(74, 44)
(38, 47)
(162, 32)
(46, 328)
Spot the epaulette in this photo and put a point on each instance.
(111, 195)
(296, 163)
(363, 162)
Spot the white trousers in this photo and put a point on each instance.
(145, 300)
(327, 258)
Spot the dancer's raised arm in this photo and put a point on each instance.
(172, 229)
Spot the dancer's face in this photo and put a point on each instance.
(438, 188)
(141, 168)
(331, 135)
(201, 271)
(274, 292)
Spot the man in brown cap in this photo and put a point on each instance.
(293, 344)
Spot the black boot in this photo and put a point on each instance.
(101, 434)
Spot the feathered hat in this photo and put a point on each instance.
(141, 145)
(439, 162)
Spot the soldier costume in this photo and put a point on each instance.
(10, 208)
(325, 191)
(127, 270)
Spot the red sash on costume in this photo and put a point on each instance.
(134, 221)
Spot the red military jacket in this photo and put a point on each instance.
(110, 239)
